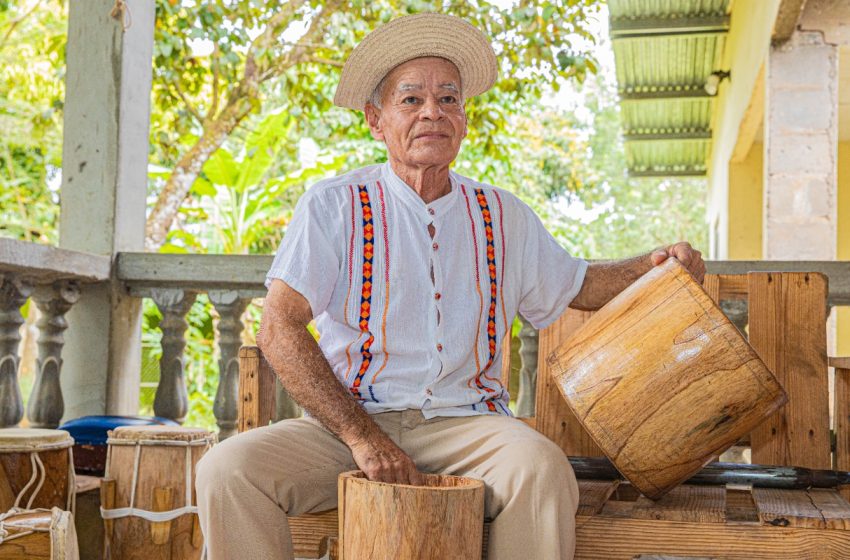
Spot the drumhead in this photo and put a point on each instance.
(30, 439)
(164, 433)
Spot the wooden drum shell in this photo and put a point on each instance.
(380, 521)
(663, 381)
(160, 486)
(17, 445)
(39, 535)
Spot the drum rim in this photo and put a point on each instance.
(31, 439)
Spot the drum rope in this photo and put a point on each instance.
(6, 523)
(154, 516)
(39, 474)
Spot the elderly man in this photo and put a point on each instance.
(413, 275)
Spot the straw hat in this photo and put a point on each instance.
(416, 36)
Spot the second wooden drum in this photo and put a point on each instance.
(662, 381)
(147, 495)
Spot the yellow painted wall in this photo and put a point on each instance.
(746, 49)
(843, 326)
(745, 206)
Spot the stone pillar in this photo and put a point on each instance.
(801, 149)
(104, 186)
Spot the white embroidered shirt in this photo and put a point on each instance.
(410, 321)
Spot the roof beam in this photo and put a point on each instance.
(651, 27)
(694, 135)
(665, 94)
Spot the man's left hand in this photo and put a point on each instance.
(685, 254)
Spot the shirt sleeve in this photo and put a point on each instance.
(551, 276)
(307, 259)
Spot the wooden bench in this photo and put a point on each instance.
(787, 327)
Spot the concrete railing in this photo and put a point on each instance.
(54, 279)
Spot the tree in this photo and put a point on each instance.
(285, 49)
(32, 67)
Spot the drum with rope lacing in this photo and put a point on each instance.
(147, 495)
(36, 469)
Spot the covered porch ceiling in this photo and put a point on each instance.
(665, 51)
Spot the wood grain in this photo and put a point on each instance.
(841, 415)
(605, 538)
(444, 519)
(701, 504)
(813, 508)
(553, 417)
(593, 494)
(161, 472)
(662, 380)
(16, 471)
(37, 546)
(788, 330)
(256, 389)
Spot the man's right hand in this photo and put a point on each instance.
(383, 461)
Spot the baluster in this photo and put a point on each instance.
(171, 399)
(46, 407)
(529, 341)
(13, 294)
(230, 308)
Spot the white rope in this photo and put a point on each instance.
(154, 516)
(6, 523)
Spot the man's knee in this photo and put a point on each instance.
(221, 466)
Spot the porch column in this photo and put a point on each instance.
(801, 149)
(104, 184)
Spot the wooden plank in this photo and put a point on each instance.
(838, 273)
(787, 508)
(701, 504)
(841, 416)
(843, 363)
(711, 284)
(592, 495)
(833, 507)
(311, 531)
(611, 538)
(256, 389)
(787, 316)
(740, 506)
(554, 419)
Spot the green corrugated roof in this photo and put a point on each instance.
(664, 51)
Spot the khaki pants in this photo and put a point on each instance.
(248, 484)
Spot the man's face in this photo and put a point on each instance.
(422, 119)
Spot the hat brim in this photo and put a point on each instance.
(417, 36)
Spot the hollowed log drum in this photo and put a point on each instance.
(147, 495)
(442, 520)
(46, 534)
(36, 469)
(662, 380)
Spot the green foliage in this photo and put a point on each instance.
(32, 69)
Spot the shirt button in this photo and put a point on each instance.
(439, 347)
(428, 392)
(435, 246)
(431, 211)
(437, 296)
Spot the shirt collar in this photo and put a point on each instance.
(426, 212)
